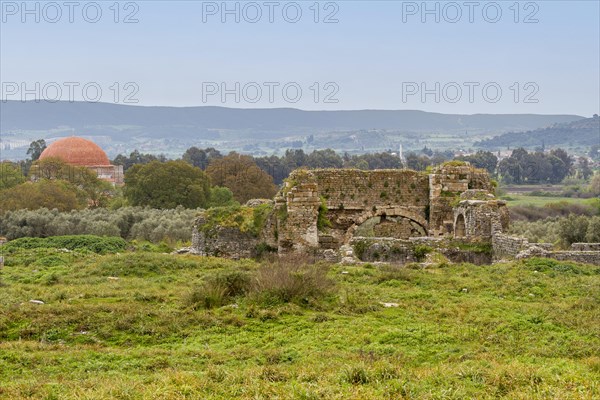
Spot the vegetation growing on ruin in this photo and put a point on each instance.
(420, 251)
(147, 325)
(322, 220)
(454, 163)
(244, 218)
(484, 247)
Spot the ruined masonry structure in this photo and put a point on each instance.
(323, 210)
(406, 203)
(381, 215)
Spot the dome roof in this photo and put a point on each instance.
(76, 151)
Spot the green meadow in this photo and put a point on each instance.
(147, 325)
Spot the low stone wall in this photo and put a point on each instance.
(241, 232)
(505, 246)
(402, 251)
(224, 242)
(587, 257)
(508, 246)
(585, 247)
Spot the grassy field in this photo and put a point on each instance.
(540, 201)
(147, 326)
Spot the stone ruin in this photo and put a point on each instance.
(326, 212)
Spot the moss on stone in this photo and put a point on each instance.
(246, 219)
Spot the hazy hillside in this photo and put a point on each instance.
(170, 130)
(103, 117)
(584, 132)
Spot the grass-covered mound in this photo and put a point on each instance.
(95, 244)
(148, 325)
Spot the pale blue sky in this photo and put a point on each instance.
(370, 54)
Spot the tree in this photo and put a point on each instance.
(45, 193)
(593, 231)
(295, 159)
(137, 158)
(273, 166)
(482, 159)
(564, 156)
(221, 197)
(594, 152)
(573, 229)
(10, 175)
(537, 167)
(201, 157)
(94, 191)
(324, 159)
(417, 163)
(584, 168)
(36, 148)
(166, 185)
(242, 176)
(595, 185)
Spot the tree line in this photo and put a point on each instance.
(207, 178)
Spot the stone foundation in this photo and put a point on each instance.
(400, 251)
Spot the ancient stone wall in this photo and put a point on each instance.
(423, 204)
(351, 189)
(588, 257)
(446, 184)
(401, 251)
(236, 232)
(506, 246)
(228, 242)
(585, 247)
(480, 218)
(350, 197)
(322, 209)
(297, 209)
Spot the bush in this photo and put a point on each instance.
(286, 281)
(96, 244)
(394, 272)
(206, 296)
(131, 223)
(573, 229)
(219, 290)
(421, 251)
(356, 375)
(555, 209)
(593, 231)
(322, 221)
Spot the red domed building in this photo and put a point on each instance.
(85, 153)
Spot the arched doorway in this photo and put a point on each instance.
(459, 226)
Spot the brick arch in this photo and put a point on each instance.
(388, 212)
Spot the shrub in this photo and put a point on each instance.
(360, 247)
(286, 281)
(262, 249)
(131, 223)
(393, 272)
(593, 231)
(356, 375)
(420, 251)
(206, 296)
(218, 290)
(322, 221)
(91, 243)
(573, 229)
